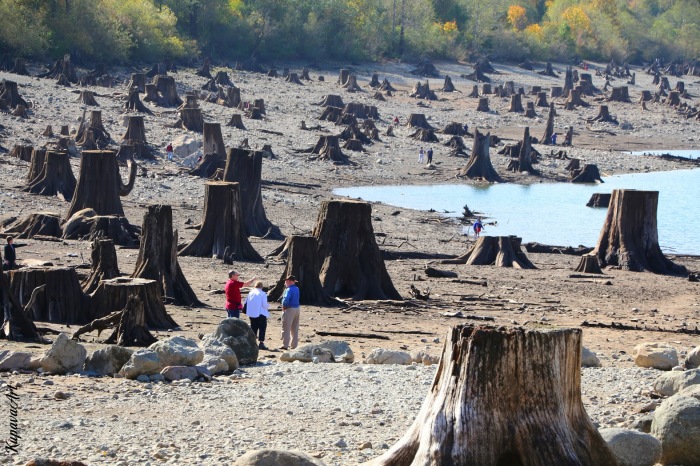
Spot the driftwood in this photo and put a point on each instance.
(644, 328)
(373, 336)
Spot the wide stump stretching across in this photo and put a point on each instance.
(504, 397)
(501, 251)
(50, 294)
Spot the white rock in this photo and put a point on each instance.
(172, 373)
(672, 382)
(14, 360)
(658, 355)
(214, 349)
(632, 448)
(108, 360)
(178, 351)
(308, 353)
(677, 425)
(142, 361)
(589, 358)
(423, 357)
(65, 355)
(692, 361)
(386, 356)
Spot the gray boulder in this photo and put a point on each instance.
(340, 349)
(214, 349)
(14, 360)
(108, 360)
(671, 383)
(277, 458)
(589, 358)
(307, 353)
(387, 356)
(214, 365)
(632, 448)
(677, 425)
(142, 361)
(693, 359)
(657, 355)
(172, 373)
(425, 358)
(237, 335)
(178, 351)
(65, 355)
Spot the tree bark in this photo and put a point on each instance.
(135, 131)
(61, 301)
(619, 94)
(417, 120)
(598, 199)
(524, 161)
(483, 105)
(16, 325)
(103, 264)
(22, 152)
(213, 141)
(516, 104)
(36, 165)
(167, 92)
(541, 100)
(55, 178)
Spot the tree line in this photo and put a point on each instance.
(121, 31)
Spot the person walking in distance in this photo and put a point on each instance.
(233, 293)
(420, 155)
(478, 227)
(290, 313)
(430, 155)
(10, 255)
(257, 309)
(169, 151)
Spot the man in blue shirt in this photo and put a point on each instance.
(290, 313)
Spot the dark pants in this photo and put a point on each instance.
(259, 324)
(430, 158)
(236, 314)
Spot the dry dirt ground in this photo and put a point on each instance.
(545, 296)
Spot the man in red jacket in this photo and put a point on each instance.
(233, 293)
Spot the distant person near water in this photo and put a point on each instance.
(478, 226)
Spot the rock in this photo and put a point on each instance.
(172, 373)
(59, 395)
(671, 383)
(658, 355)
(156, 378)
(644, 423)
(589, 358)
(308, 353)
(215, 349)
(277, 458)
(65, 355)
(386, 356)
(677, 425)
(48, 462)
(366, 445)
(108, 360)
(14, 360)
(178, 351)
(143, 378)
(692, 361)
(142, 361)
(237, 335)
(214, 365)
(185, 145)
(340, 349)
(632, 448)
(422, 357)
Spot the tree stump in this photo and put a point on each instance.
(48, 132)
(483, 105)
(351, 262)
(356, 145)
(36, 165)
(213, 141)
(530, 112)
(87, 225)
(664, 84)
(87, 98)
(204, 70)
(479, 165)
(254, 113)
(138, 81)
(113, 295)
(549, 127)
(129, 326)
(191, 119)
(100, 184)
(598, 199)
(151, 94)
(422, 91)
(135, 131)
(103, 264)
(619, 94)
(646, 96)
(588, 264)
(574, 100)
(157, 258)
(10, 94)
(93, 130)
(556, 91)
(236, 121)
(389, 131)
(62, 80)
(454, 128)
(229, 97)
(588, 174)
(516, 104)
(36, 224)
(424, 135)
(285, 73)
(133, 102)
(524, 161)
(351, 84)
(486, 89)
(673, 99)
(343, 76)
(61, 300)
(469, 418)
(475, 92)
(374, 82)
(501, 251)
(387, 87)
(16, 325)
(167, 92)
(603, 116)
(209, 164)
(19, 67)
(417, 120)
(629, 237)
(549, 71)
(541, 100)
(22, 152)
(55, 177)
(448, 86)
(328, 148)
(293, 78)
(680, 87)
(223, 230)
(332, 100)
(272, 73)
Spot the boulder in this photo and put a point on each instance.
(658, 355)
(178, 351)
(387, 356)
(142, 361)
(340, 349)
(693, 359)
(677, 425)
(65, 355)
(214, 365)
(214, 349)
(172, 373)
(14, 360)
(307, 353)
(185, 145)
(237, 335)
(671, 383)
(589, 358)
(277, 458)
(423, 357)
(108, 360)
(632, 448)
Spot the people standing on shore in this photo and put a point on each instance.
(420, 155)
(478, 226)
(233, 293)
(10, 255)
(430, 155)
(290, 313)
(257, 309)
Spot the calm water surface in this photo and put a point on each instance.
(556, 213)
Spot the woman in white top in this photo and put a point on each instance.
(257, 309)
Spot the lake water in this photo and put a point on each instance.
(556, 213)
(688, 153)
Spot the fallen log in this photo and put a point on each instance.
(621, 326)
(353, 335)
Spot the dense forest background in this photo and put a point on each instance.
(150, 30)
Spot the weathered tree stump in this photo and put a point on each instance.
(549, 127)
(213, 140)
(16, 325)
(93, 131)
(664, 84)
(680, 87)
(588, 264)
(646, 96)
(236, 121)
(100, 184)
(475, 92)
(64, 67)
(673, 99)
(629, 237)
(157, 258)
(191, 119)
(229, 97)
(10, 94)
(55, 177)
(103, 264)
(87, 225)
(48, 132)
(36, 165)
(138, 81)
(541, 100)
(530, 111)
(209, 164)
(356, 145)
(223, 230)
(351, 84)
(19, 67)
(113, 295)
(285, 73)
(603, 116)
(422, 91)
(151, 94)
(448, 86)
(305, 74)
(332, 100)
(343, 76)
(486, 89)
(22, 152)
(37, 224)
(524, 161)
(60, 300)
(328, 148)
(417, 120)
(516, 104)
(556, 91)
(135, 131)
(479, 165)
(62, 80)
(501, 251)
(454, 128)
(549, 71)
(588, 174)
(389, 131)
(254, 113)
(468, 418)
(167, 92)
(351, 262)
(245, 168)
(133, 102)
(483, 105)
(204, 70)
(619, 94)
(424, 135)
(129, 325)
(293, 78)
(574, 100)
(387, 87)
(598, 199)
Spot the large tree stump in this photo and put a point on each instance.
(422, 91)
(424, 135)
(501, 251)
(135, 131)
(21, 152)
(504, 397)
(524, 161)
(549, 127)
(229, 97)
(204, 71)
(61, 300)
(351, 84)
(541, 100)
(293, 78)
(157, 258)
(87, 225)
(94, 131)
(588, 174)
(598, 199)
(133, 102)
(448, 86)
(103, 264)
(387, 87)
(328, 148)
(603, 116)
(212, 140)
(351, 262)
(36, 165)
(454, 128)
(302, 262)
(629, 237)
(209, 164)
(191, 119)
(138, 81)
(223, 231)
(417, 120)
(516, 104)
(530, 111)
(343, 76)
(619, 94)
(10, 94)
(483, 105)
(129, 326)
(16, 325)
(475, 92)
(332, 100)
(556, 91)
(167, 92)
(236, 121)
(588, 264)
(100, 184)
(479, 165)
(245, 168)
(574, 100)
(673, 99)
(19, 67)
(36, 224)
(646, 96)
(112, 295)
(55, 178)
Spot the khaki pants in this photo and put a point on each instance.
(290, 325)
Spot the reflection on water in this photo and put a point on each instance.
(556, 213)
